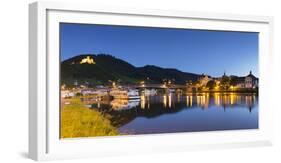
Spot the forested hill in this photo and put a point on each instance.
(102, 69)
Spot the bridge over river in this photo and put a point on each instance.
(162, 86)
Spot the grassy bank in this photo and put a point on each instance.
(79, 121)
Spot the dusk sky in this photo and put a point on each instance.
(195, 51)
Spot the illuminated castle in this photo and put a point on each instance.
(87, 60)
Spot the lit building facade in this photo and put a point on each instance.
(204, 79)
(251, 81)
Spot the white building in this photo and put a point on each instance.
(251, 81)
(204, 79)
(87, 60)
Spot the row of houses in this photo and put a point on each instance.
(249, 81)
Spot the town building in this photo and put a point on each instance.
(87, 60)
(249, 81)
(204, 79)
(240, 82)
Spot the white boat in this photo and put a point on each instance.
(67, 94)
(149, 92)
(119, 93)
(90, 91)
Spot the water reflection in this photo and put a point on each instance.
(126, 114)
(203, 100)
(120, 104)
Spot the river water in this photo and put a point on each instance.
(170, 113)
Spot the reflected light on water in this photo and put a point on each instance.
(142, 102)
(202, 100)
(187, 100)
(220, 111)
(170, 100)
(191, 101)
(165, 101)
(232, 98)
(249, 100)
(148, 103)
(217, 99)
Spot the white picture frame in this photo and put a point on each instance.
(44, 142)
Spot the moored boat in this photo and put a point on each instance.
(120, 93)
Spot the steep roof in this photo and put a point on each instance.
(251, 75)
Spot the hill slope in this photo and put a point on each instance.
(108, 68)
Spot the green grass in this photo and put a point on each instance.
(79, 121)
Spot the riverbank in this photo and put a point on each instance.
(80, 121)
